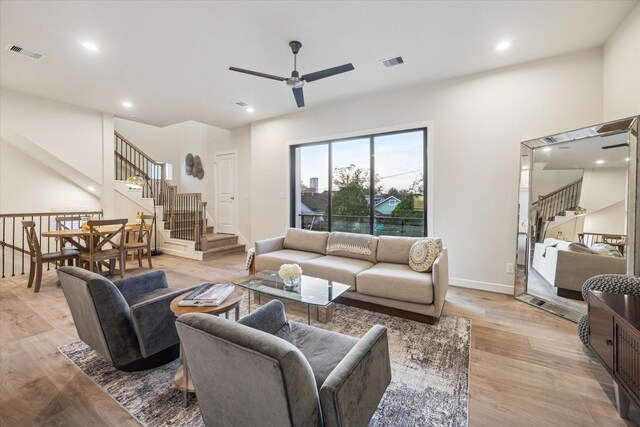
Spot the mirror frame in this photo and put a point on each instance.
(632, 243)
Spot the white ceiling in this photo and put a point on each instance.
(171, 58)
(584, 153)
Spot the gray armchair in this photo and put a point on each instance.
(265, 370)
(127, 321)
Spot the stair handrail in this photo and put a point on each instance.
(133, 161)
(184, 214)
(548, 206)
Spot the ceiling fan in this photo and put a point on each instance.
(295, 82)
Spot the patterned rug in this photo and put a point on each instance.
(429, 363)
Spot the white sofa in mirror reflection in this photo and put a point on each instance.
(567, 265)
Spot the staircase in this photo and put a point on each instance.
(183, 222)
(555, 204)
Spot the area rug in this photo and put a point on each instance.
(429, 363)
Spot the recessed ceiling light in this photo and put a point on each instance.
(546, 149)
(89, 46)
(250, 109)
(627, 159)
(91, 189)
(503, 45)
(127, 104)
(599, 162)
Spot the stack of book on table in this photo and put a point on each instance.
(207, 295)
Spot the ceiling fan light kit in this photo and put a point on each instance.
(295, 82)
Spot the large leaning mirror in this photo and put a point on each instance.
(577, 214)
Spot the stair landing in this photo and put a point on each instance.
(218, 245)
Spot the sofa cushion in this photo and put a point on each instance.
(396, 249)
(352, 245)
(605, 249)
(396, 281)
(423, 254)
(322, 349)
(305, 240)
(339, 269)
(572, 247)
(273, 260)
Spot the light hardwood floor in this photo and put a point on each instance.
(528, 367)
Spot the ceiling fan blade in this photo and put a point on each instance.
(327, 73)
(255, 73)
(299, 96)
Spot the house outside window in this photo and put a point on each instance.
(373, 184)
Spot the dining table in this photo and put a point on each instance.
(79, 237)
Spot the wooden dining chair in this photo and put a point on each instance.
(37, 258)
(143, 240)
(63, 222)
(101, 233)
(67, 222)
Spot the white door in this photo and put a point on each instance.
(225, 190)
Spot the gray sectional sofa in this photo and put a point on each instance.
(379, 276)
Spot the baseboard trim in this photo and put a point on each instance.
(482, 286)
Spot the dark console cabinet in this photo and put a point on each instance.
(614, 335)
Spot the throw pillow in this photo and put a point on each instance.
(606, 250)
(423, 254)
(352, 245)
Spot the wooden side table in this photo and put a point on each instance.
(614, 336)
(233, 301)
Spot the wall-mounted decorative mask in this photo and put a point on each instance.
(194, 166)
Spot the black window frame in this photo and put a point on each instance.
(371, 137)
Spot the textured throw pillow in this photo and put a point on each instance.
(423, 254)
(606, 250)
(352, 245)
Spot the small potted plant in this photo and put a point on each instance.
(291, 275)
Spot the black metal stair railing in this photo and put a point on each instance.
(131, 161)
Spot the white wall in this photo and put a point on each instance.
(478, 123)
(547, 181)
(61, 132)
(66, 131)
(26, 185)
(621, 69)
(152, 140)
(610, 220)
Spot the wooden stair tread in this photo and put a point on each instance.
(225, 248)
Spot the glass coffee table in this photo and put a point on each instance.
(313, 291)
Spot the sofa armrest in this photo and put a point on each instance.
(154, 322)
(269, 318)
(131, 287)
(269, 245)
(352, 392)
(440, 279)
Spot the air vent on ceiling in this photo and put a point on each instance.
(33, 55)
(392, 62)
(242, 104)
(609, 147)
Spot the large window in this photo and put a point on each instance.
(372, 184)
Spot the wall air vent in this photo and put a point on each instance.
(392, 62)
(17, 49)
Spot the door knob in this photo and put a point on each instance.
(609, 341)
(233, 198)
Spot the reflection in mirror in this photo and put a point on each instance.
(573, 214)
